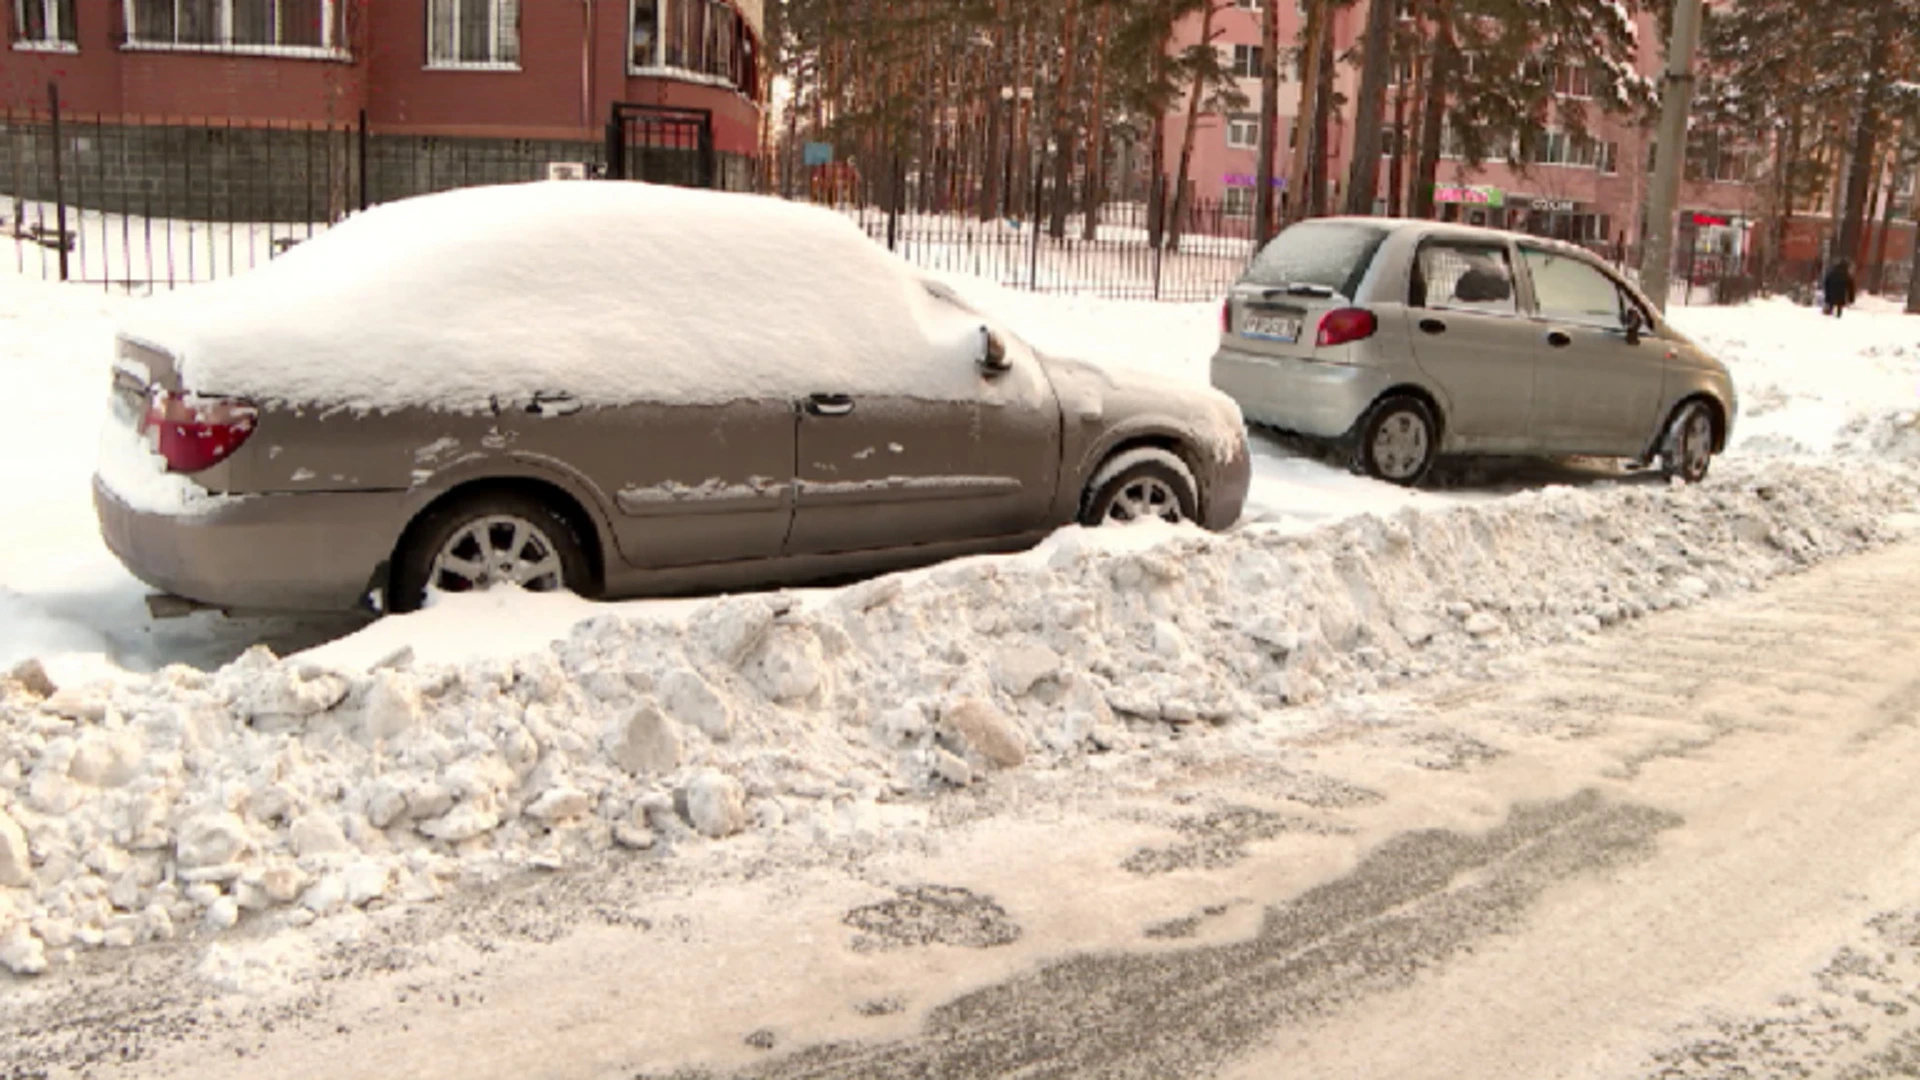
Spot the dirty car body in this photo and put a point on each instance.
(799, 473)
(1512, 344)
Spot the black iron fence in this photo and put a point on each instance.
(1116, 257)
(138, 203)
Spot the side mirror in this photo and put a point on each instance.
(993, 352)
(1636, 325)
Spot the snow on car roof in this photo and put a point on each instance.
(613, 292)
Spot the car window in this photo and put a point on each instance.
(1464, 276)
(1330, 254)
(1568, 289)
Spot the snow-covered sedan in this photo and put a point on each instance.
(615, 389)
(1408, 340)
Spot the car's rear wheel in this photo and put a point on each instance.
(1141, 485)
(1687, 450)
(497, 538)
(1399, 440)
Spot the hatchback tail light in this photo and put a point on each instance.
(1226, 315)
(193, 433)
(1346, 326)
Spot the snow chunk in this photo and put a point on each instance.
(716, 804)
(16, 866)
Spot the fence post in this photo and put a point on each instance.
(59, 184)
(1039, 194)
(364, 199)
(896, 196)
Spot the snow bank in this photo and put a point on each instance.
(614, 293)
(1811, 385)
(287, 791)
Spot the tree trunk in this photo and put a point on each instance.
(1157, 185)
(1319, 203)
(1300, 173)
(1866, 135)
(1886, 218)
(1439, 83)
(1093, 188)
(1063, 116)
(1411, 140)
(1269, 139)
(1193, 128)
(1363, 178)
(1787, 161)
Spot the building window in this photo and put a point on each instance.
(699, 37)
(1238, 202)
(473, 33)
(645, 50)
(1246, 61)
(266, 25)
(1572, 82)
(1243, 132)
(45, 23)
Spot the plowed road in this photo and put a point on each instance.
(1690, 848)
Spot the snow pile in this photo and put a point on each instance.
(1811, 385)
(289, 791)
(614, 293)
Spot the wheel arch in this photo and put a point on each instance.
(546, 490)
(1145, 439)
(1413, 390)
(1716, 410)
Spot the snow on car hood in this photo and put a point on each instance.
(1091, 390)
(612, 292)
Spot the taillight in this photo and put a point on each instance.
(1347, 325)
(1226, 315)
(195, 433)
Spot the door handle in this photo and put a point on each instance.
(1559, 339)
(830, 404)
(553, 405)
(1433, 326)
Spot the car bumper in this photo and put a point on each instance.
(1225, 495)
(310, 552)
(1304, 396)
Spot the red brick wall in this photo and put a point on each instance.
(562, 90)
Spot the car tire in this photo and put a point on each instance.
(1142, 484)
(445, 541)
(1686, 449)
(1398, 441)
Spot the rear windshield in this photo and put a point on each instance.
(1331, 254)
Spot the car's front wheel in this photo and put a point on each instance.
(496, 538)
(1399, 440)
(1687, 450)
(1141, 485)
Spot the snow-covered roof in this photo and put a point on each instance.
(613, 292)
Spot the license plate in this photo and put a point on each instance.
(1271, 328)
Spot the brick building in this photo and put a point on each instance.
(243, 109)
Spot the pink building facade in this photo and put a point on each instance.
(1588, 190)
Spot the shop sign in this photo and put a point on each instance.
(1470, 195)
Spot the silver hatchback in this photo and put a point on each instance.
(1407, 340)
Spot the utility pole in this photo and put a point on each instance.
(1656, 261)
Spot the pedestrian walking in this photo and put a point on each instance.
(1837, 291)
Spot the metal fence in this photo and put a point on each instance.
(1117, 258)
(139, 203)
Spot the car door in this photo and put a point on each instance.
(880, 471)
(688, 484)
(1470, 337)
(1597, 388)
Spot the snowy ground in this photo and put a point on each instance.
(436, 752)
